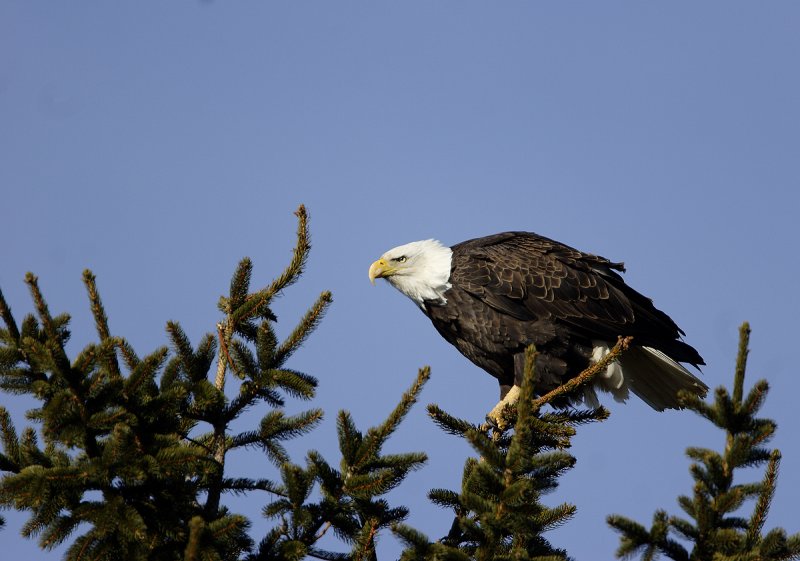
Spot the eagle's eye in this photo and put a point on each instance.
(401, 259)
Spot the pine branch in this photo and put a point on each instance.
(759, 517)
(289, 276)
(715, 531)
(299, 255)
(128, 354)
(587, 375)
(194, 364)
(741, 362)
(56, 336)
(240, 284)
(100, 317)
(296, 384)
(8, 319)
(196, 527)
(755, 398)
(11, 458)
(450, 424)
(376, 437)
(309, 322)
(225, 334)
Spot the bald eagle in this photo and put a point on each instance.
(491, 297)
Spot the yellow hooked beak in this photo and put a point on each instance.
(380, 269)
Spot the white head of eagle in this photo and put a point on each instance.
(420, 270)
(494, 296)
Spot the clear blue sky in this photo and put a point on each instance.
(157, 143)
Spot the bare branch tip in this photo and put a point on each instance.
(625, 342)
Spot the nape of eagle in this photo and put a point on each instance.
(491, 297)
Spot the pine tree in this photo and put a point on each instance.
(351, 503)
(498, 512)
(715, 528)
(132, 459)
(134, 448)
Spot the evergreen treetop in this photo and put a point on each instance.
(715, 527)
(127, 455)
(134, 447)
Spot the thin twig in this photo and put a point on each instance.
(223, 345)
(219, 448)
(741, 362)
(219, 381)
(587, 375)
(322, 532)
(373, 529)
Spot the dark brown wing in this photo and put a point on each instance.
(530, 277)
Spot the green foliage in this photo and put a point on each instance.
(715, 527)
(128, 457)
(498, 512)
(351, 502)
(133, 447)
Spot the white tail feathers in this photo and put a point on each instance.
(647, 372)
(657, 379)
(611, 381)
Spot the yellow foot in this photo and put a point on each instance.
(497, 416)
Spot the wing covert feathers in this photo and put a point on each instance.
(530, 277)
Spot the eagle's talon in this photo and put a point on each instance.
(502, 414)
(490, 424)
(501, 419)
